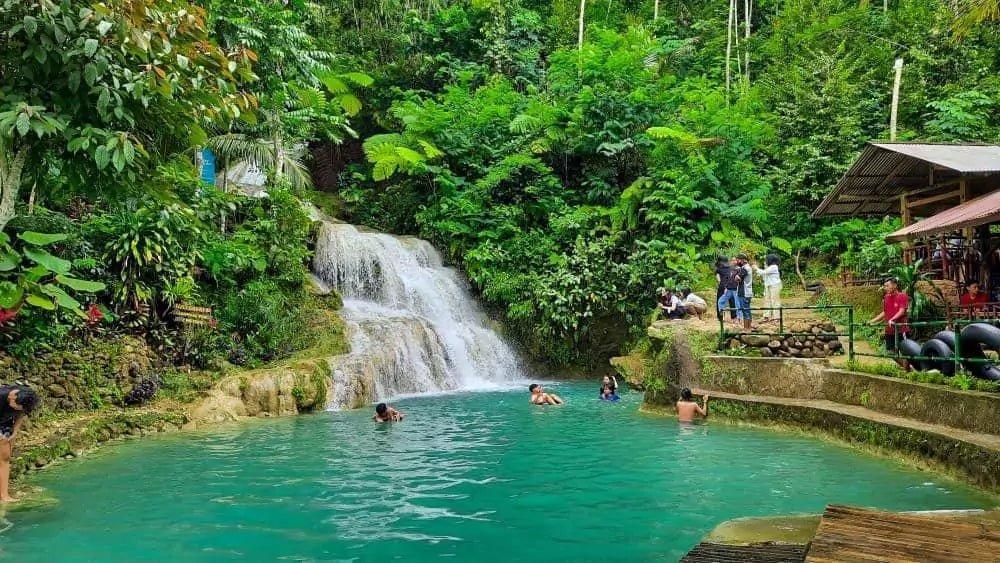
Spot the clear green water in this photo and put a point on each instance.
(478, 476)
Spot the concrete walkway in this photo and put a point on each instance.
(990, 441)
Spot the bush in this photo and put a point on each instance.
(262, 321)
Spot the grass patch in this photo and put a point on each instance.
(960, 381)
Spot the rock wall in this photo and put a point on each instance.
(99, 372)
(286, 390)
(812, 340)
(965, 460)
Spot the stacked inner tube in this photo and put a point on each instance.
(940, 351)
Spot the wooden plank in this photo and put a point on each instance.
(857, 534)
(933, 199)
(765, 552)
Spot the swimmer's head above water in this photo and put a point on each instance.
(686, 394)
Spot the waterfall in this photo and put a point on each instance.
(412, 324)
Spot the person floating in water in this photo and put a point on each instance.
(540, 397)
(686, 406)
(385, 413)
(15, 402)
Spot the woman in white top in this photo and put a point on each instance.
(772, 286)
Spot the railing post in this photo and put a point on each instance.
(958, 348)
(722, 325)
(781, 320)
(850, 334)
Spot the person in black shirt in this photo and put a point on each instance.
(721, 274)
(15, 402)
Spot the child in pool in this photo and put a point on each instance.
(385, 413)
(608, 393)
(686, 406)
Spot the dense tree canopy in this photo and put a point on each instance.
(567, 179)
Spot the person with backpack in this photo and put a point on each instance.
(728, 277)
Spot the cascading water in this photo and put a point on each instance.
(412, 324)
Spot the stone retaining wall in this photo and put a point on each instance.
(810, 379)
(974, 463)
(99, 373)
(811, 340)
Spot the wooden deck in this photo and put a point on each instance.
(857, 534)
(767, 552)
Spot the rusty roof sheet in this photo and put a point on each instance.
(979, 211)
(885, 171)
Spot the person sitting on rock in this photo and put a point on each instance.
(540, 397)
(686, 406)
(385, 413)
(15, 402)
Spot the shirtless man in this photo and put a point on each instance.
(385, 413)
(686, 406)
(540, 397)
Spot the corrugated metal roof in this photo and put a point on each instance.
(972, 213)
(968, 159)
(885, 171)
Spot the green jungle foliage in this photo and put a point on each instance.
(568, 176)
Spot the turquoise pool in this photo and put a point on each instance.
(473, 476)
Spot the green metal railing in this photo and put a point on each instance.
(955, 325)
(723, 333)
(852, 329)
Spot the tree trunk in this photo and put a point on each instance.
(747, 7)
(279, 154)
(11, 166)
(583, 8)
(656, 10)
(729, 44)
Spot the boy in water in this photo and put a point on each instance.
(686, 406)
(15, 402)
(608, 393)
(540, 397)
(385, 413)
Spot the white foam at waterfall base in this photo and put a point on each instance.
(413, 325)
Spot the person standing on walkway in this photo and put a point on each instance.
(771, 275)
(722, 263)
(729, 282)
(894, 307)
(744, 292)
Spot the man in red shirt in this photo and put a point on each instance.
(894, 314)
(973, 299)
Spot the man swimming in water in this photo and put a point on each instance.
(385, 413)
(686, 406)
(540, 397)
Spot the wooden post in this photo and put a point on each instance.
(963, 196)
(904, 213)
(898, 67)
